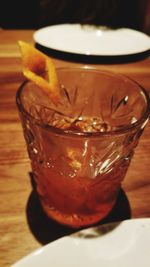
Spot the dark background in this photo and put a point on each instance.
(33, 14)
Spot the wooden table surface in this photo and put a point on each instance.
(23, 225)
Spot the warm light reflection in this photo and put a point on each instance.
(98, 32)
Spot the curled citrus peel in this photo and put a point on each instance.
(35, 63)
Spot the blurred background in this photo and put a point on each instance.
(34, 14)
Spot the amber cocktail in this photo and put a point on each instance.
(81, 148)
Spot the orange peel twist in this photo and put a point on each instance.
(35, 63)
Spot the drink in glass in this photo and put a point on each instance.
(80, 149)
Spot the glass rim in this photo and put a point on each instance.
(70, 133)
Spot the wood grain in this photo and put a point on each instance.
(23, 226)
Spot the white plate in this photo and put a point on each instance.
(123, 244)
(91, 40)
